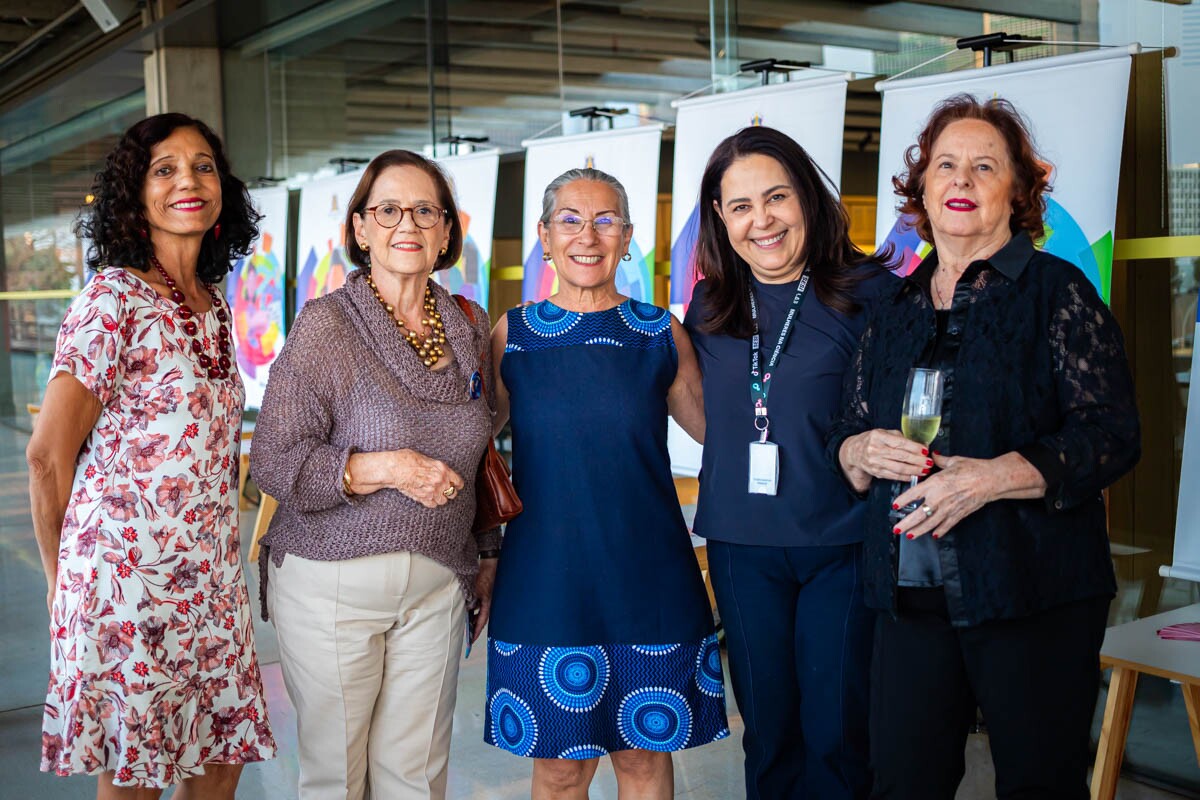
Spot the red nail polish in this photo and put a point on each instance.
(925, 471)
(936, 453)
(928, 463)
(910, 536)
(895, 506)
(896, 531)
(924, 451)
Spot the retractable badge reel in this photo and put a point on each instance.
(764, 457)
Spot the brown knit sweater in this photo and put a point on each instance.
(346, 382)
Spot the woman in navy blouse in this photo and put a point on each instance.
(995, 591)
(784, 533)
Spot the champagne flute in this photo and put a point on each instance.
(921, 415)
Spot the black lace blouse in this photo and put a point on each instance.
(1040, 370)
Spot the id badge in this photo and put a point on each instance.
(764, 467)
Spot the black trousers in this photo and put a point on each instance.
(1035, 680)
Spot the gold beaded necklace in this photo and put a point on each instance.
(429, 348)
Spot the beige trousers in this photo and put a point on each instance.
(370, 650)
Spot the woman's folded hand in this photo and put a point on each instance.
(426, 480)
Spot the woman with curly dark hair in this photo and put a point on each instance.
(133, 483)
(994, 591)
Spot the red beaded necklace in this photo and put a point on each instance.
(218, 366)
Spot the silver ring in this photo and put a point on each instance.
(928, 509)
(450, 492)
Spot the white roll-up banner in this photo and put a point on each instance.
(255, 291)
(1186, 559)
(473, 180)
(811, 111)
(628, 154)
(321, 260)
(1075, 105)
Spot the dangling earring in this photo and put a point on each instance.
(217, 232)
(626, 257)
(547, 257)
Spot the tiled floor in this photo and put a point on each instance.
(478, 771)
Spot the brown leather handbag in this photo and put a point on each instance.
(496, 500)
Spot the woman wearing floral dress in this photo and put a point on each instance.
(133, 483)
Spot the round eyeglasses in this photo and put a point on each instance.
(572, 224)
(389, 215)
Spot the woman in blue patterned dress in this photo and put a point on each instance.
(601, 638)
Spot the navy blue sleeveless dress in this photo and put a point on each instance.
(601, 637)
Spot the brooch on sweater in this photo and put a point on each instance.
(475, 385)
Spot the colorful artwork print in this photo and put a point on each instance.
(634, 277)
(256, 297)
(322, 264)
(1063, 238)
(255, 291)
(1081, 140)
(683, 264)
(470, 274)
(810, 109)
(628, 154)
(323, 273)
(473, 180)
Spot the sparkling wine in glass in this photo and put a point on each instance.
(921, 415)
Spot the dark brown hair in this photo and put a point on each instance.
(828, 254)
(1031, 174)
(115, 221)
(358, 204)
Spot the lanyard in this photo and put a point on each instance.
(760, 382)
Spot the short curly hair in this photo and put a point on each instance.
(1031, 173)
(114, 223)
(362, 193)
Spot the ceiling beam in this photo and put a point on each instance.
(910, 17)
(34, 9)
(14, 32)
(1067, 11)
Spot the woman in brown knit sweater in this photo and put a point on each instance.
(371, 431)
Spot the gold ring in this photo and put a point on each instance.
(928, 509)
(450, 492)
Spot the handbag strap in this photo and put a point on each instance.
(469, 312)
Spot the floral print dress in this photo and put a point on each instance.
(152, 666)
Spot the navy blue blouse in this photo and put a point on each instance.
(813, 505)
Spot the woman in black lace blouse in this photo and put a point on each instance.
(995, 591)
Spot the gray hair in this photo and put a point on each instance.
(550, 198)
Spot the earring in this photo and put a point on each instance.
(363, 246)
(547, 257)
(442, 252)
(627, 257)
(216, 232)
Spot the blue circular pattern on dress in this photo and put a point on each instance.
(513, 725)
(547, 319)
(644, 318)
(709, 677)
(504, 648)
(655, 718)
(583, 751)
(654, 649)
(574, 678)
